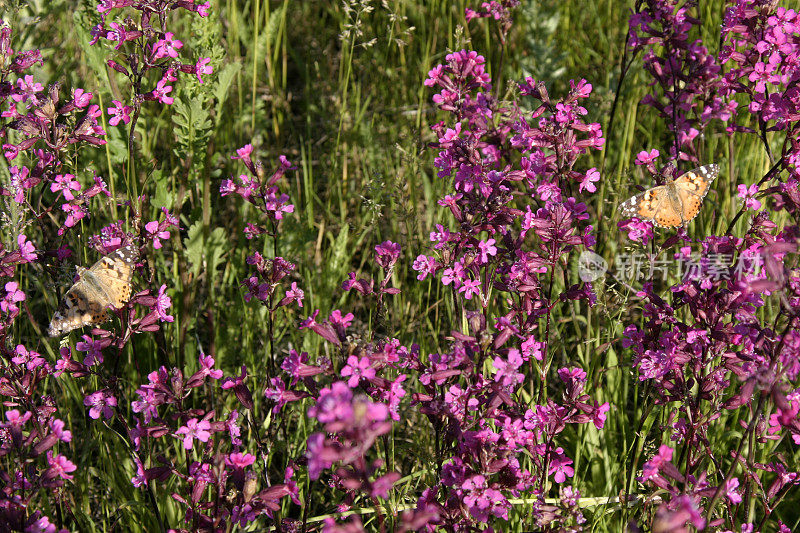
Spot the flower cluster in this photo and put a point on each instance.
(143, 45)
(515, 226)
(692, 91)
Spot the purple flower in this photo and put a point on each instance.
(13, 296)
(167, 47)
(749, 193)
(588, 181)
(163, 302)
(559, 465)
(194, 429)
(66, 183)
(320, 456)
(100, 402)
(646, 158)
(93, 349)
(59, 466)
(119, 113)
(386, 254)
(239, 460)
(207, 367)
(357, 368)
(487, 248)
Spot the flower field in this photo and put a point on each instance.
(400, 265)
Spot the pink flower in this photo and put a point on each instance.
(13, 296)
(120, 113)
(156, 233)
(357, 368)
(644, 158)
(559, 465)
(163, 302)
(240, 460)
(470, 288)
(296, 294)
(486, 249)
(588, 182)
(731, 492)
(749, 193)
(66, 183)
(194, 429)
(386, 254)
(162, 91)
(60, 466)
(207, 367)
(100, 402)
(202, 68)
(167, 47)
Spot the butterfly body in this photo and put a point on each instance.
(105, 284)
(675, 203)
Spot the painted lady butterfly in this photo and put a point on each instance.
(106, 283)
(676, 202)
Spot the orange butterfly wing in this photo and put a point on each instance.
(653, 205)
(692, 187)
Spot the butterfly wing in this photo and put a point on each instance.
(106, 283)
(111, 276)
(692, 187)
(653, 205)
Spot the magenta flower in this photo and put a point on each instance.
(156, 232)
(646, 158)
(731, 492)
(100, 402)
(66, 183)
(320, 456)
(470, 288)
(30, 359)
(559, 465)
(207, 367)
(119, 113)
(749, 193)
(296, 294)
(162, 91)
(357, 368)
(13, 296)
(425, 264)
(652, 467)
(15, 420)
(93, 349)
(486, 249)
(64, 435)
(194, 429)
(60, 466)
(167, 47)
(202, 67)
(386, 254)
(26, 248)
(588, 181)
(163, 302)
(239, 460)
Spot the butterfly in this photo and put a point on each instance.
(676, 202)
(106, 283)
